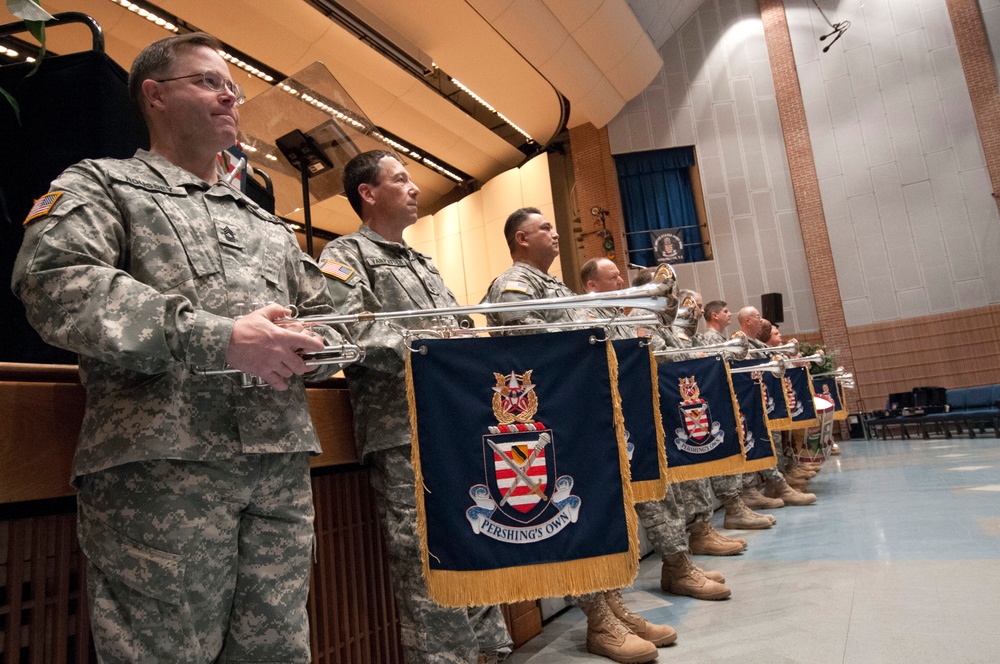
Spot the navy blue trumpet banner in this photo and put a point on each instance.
(699, 416)
(827, 386)
(757, 443)
(643, 426)
(799, 396)
(522, 474)
(775, 402)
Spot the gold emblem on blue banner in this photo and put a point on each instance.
(522, 501)
(700, 434)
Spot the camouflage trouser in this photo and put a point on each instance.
(768, 476)
(199, 561)
(664, 522)
(431, 633)
(697, 500)
(727, 487)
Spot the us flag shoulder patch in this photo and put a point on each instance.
(516, 286)
(337, 270)
(42, 206)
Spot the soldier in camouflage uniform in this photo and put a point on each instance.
(613, 630)
(728, 488)
(375, 270)
(778, 493)
(696, 495)
(665, 520)
(194, 508)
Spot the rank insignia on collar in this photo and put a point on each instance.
(42, 206)
(337, 270)
(700, 433)
(523, 500)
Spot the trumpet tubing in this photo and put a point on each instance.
(659, 297)
(734, 348)
(776, 367)
(789, 349)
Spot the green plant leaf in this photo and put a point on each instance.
(28, 10)
(13, 104)
(37, 30)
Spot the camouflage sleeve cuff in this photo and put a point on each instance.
(208, 341)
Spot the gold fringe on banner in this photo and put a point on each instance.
(731, 465)
(802, 424)
(527, 582)
(752, 466)
(654, 489)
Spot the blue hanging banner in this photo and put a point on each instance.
(799, 396)
(521, 467)
(699, 417)
(827, 386)
(643, 426)
(750, 393)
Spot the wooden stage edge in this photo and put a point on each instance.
(42, 409)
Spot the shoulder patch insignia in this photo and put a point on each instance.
(42, 206)
(516, 286)
(337, 270)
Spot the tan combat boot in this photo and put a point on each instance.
(835, 450)
(724, 539)
(788, 495)
(702, 542)
(812, 466)
(740, 517)
(796, 483)
(658, 635)
(753, 499)
(800, 472)
(712, 574)
(608, 637)
(681, 577)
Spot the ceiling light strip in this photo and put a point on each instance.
(464, 88)
(342, 115)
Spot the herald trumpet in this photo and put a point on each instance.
(452, 331)
(837, 373)
(735, 349)
(776, 367)
(789, 349)
(815, 358)
(333, 354)
(658, 296)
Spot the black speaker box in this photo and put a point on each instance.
(770, 307)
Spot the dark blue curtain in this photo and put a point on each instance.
(656, 194)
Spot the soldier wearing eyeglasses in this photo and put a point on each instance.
(194, 499)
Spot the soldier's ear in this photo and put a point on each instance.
(366, 193)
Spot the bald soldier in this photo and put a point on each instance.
(778, 493)
(613, 630)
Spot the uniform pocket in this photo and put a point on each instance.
(148, 571)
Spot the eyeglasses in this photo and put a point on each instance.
(214, 81)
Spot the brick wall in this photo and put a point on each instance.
(980, 76)
(805, 183)
(597, 184)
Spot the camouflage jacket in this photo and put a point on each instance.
(522, 283)
(139, 267)
(709, 337)
(366, 272)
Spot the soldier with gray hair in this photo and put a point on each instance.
(194, 501)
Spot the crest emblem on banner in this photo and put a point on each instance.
(700, 434)
(523, 500)
(758, 377)
(794, 407)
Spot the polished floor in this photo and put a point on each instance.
(897, 562)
